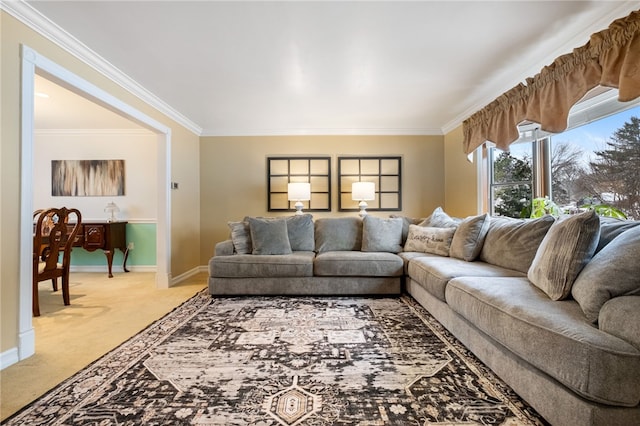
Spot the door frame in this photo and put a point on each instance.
(33, 62)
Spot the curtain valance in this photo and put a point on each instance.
(610, 58)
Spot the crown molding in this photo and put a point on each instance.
(324, 132)
(142, 132)
(48, 29)
(531, 69)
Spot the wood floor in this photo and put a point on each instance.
(103, 313)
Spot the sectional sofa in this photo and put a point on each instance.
(551, 305)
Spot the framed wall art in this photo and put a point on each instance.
(384, 172)
(87, 178)
(284, 170)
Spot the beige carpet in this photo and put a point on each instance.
(103, 313)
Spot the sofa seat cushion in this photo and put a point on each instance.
(433, 272)
(408, 255)
(553, 336)
(358, 264)
(296, 264)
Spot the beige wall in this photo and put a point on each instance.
(233, 175)
(185, 209)
(460, 177)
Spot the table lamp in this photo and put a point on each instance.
(363, 192)
(299, 192)
(111, 209)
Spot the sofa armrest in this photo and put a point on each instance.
(620, 317)
(224, 248)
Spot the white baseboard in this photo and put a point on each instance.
(188, 274)
(115, 269)
(8, 358)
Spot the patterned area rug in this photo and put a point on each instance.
(285, 361)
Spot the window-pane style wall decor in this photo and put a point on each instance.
(284, 170)
(384, 172)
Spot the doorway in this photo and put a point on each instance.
(33, 63)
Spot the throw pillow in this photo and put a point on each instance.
(406, 221)
(439, 219)
(613, 272)
(382, 234)
(269, 236)
(300, 231)
(513, 243)
(469, 237)
(564, 251)
(611, 227)
(429, 239)
(241, 236)
(338, 234)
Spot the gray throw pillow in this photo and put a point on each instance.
(611, 227)
(469, 237)
(269, 236)
(513, 243)
(241, 236)
(406, 221)
(301, 233)
(439, 219)
(338, 234)
(427, 239)
(380, 234)
(564, 251)
(613, 272)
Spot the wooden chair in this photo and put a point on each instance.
(53, 238)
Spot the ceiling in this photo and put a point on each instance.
(333, 67)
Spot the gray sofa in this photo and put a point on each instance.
(325, 257)
(552, 306)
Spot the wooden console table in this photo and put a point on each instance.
(106, 236)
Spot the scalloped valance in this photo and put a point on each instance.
(610, 58)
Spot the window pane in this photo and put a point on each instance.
(515, 165)
(512, 200)
(597, 164)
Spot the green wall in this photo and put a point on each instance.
(143, 235)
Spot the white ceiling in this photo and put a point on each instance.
(333, 67)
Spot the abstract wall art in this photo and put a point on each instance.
(87, 178)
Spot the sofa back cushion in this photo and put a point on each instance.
(613, 272)
(338, 234)
(382, 235)
(513, 243)
(469, 237)
(611, 227)
(563, 252)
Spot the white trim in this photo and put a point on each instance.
(92, 132)
(322, 132)
(31, 61)
(141, 220)
(116, 268)
(8, 358)
(26, 335)
(186, 275)
(29, 16)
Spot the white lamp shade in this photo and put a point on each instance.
(363, 191)
(299, 191)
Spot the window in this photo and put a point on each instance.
(595, 163)
(511, 179)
